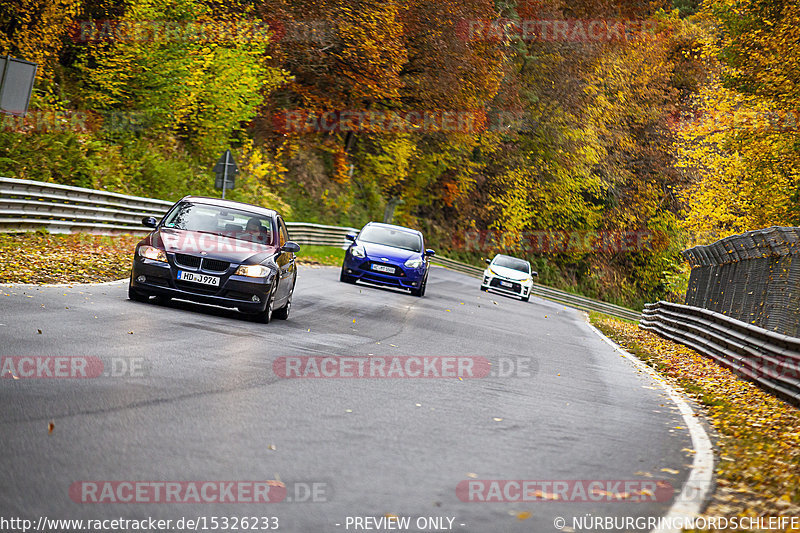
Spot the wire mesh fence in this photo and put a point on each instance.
(753, 277)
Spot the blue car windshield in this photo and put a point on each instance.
(513, 263)
(391, 237)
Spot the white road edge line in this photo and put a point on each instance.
(697, 487)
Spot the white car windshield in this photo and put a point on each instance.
(512, 263)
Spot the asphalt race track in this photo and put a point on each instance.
(206, 405)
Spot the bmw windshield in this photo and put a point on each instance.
(223, 221)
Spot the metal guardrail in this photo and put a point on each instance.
(30, 205)
(27, 205)
(770, 359)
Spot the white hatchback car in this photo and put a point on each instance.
(509, 275)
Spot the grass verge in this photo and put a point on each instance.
(74, 258)
(320, 255)
(83, 258)
(758, 468)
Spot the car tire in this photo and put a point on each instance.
(283, 312)
(421, 291)
(484, 289)
(265, 316)
(163, 300)
(526, 298)
(136, 296)
(344, 278)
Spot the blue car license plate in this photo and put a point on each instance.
(383, 268)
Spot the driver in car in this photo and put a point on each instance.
(255, 231)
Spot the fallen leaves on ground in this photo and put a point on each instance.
(759, 434)
(73, 258)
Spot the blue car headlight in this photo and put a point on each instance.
(414, 262)
(356, 251)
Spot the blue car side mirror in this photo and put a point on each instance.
(430, 252)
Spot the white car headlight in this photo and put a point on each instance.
(355, 251)
(253, 271)
(527, 280)
(414, 262)
(151, 252)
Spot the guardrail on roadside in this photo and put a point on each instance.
(27, 205)
(770, 359)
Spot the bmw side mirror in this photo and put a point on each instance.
(429, 252)
(290, 246)
(350, 237)
(488, 261)
(150, 222)
(535, 274)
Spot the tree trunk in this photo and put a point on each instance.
(391, 205)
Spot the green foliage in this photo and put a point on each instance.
(739, 149)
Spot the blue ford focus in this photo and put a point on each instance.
(388, 255)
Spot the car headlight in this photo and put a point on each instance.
(253, 271)
(414, 262)
(355, 251)
(526, 280)
(492, 271)
(151, 252)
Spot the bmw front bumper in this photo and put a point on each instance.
(160, 279)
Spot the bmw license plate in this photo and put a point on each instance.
(198, 278)
(383, 268)
(506, 284)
